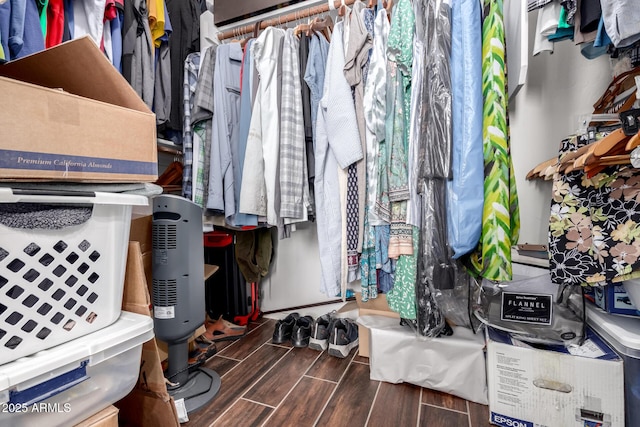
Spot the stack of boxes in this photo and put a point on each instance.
(591, 385)
(68, 352)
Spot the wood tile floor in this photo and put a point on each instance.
(277, 385)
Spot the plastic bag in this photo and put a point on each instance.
(534, 310)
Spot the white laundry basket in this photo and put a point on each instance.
(66, 384)
(60, 284)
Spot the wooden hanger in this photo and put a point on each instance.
(388, 6)
(302, 28)
(342, 10)
(617, 86)
(537, 171)
(568, 159)
(372, 4)
(324, 25)
(614, 143)
(633, 142)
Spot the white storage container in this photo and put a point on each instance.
(88, 374)
(59, 284)
(623, 334)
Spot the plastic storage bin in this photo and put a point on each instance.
(88, 374)
(59, 284)
(623, 335)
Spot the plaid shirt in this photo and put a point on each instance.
(191, 64)
(293, 166)
(201, 118)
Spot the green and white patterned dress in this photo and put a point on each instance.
(501, 217)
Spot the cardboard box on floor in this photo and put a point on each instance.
(67, 114)
(373, 307)
(533, 387)
(149, 403)
(108, 417)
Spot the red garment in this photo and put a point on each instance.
(110, 12)
(55, 23)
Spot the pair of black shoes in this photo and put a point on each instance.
(295, 328)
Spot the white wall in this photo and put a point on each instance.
(294, 278)
(559, 88)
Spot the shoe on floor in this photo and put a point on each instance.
(200, 350)
(284, 328)
(302, 331)
(320, 332)
(221, 330)
(343, 338)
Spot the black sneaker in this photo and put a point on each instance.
(284, 328)
(344, 337)
(302, 331)
(321, 330)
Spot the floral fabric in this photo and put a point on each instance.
(594, 227)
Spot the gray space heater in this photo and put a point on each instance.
(178, 295)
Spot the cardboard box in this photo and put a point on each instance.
(67, 114)
(622, 333)
(373, 307)
(454, 365)
(612, 299)
(108, 417)
(531, 387)
(149, 403)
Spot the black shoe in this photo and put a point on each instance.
(321, 331)
(302, 331)
(284, 328)
(344, 337)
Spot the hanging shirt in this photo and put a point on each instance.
(375, 109)
(5, 18)
(226, 117)
(501, 217)
(294, 189)
(207, 31)
(621, 19)
(239, 152)
(258, 195)
(15, 34)
(137, 49)
(184, 15)
(465, 191)
(337, 145)
(191, 65)
(156, 20)
(306, 114)
(202, 122)
(400, 51)
(116, 35)
(88, 18)
(356, 56)
(162, 84)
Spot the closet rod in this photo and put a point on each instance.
(294, 16)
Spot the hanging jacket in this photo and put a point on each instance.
(337, 145)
